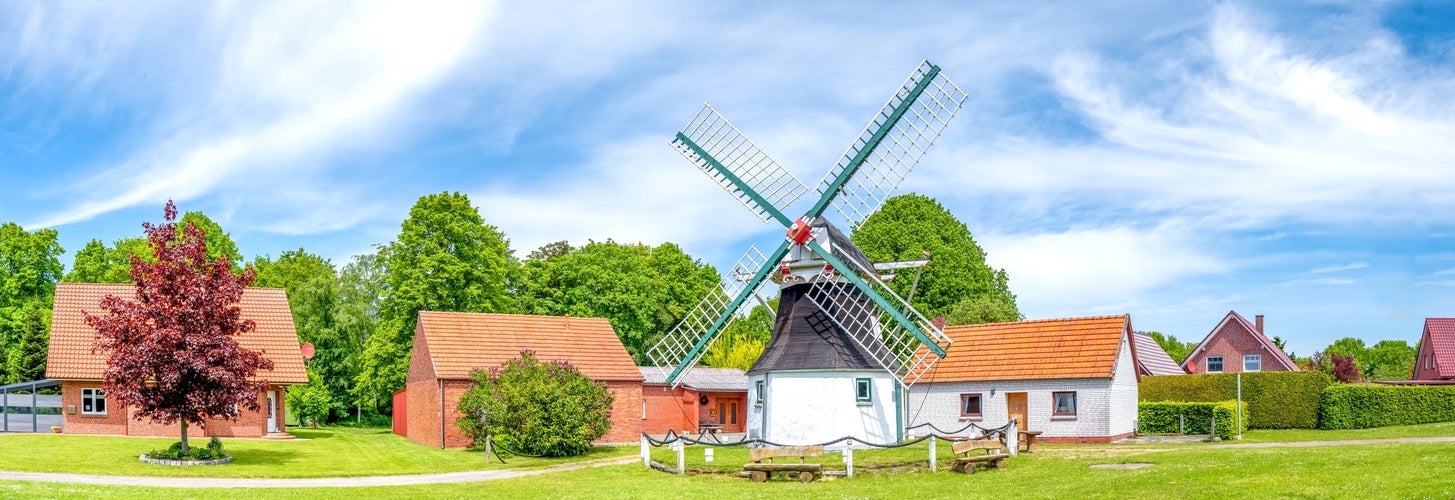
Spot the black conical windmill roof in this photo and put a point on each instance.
(804, 338)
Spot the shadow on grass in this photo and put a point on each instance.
(268, 458)
(307, 433)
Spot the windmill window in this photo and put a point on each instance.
(93, 402)
(758, 394)
(1063, 404)
(970, 405)
(1214, 364)
(1252, 363)
(862, 392)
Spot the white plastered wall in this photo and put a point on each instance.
(809, 407)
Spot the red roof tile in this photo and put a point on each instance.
(461, 342)
(1442, 343)
(1040, 349)
(71, 341)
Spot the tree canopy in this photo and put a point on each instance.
(957, 277)
(172, 353)
(644, 291)
(1175, 348)
(446, 258)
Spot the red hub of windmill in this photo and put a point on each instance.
(799, 233)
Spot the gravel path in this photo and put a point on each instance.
(317, 482)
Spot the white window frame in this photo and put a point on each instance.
(93, 394)
(1257, 358)
(1208, 363)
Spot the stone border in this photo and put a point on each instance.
(184, 463)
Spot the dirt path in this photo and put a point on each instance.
(317, 482)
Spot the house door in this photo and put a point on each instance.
(1015, 406)
(272, 412)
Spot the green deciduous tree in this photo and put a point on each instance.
(445, 259)
(1389, 360)
(535, 407)
(743, 341)
(909, 225)
(29, 265)
(643, 291)
(219, 243)
(311, 402)
(97, 263)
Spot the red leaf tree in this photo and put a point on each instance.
(173, 355)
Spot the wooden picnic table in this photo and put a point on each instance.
(1027, 441)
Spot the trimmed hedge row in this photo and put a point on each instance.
(1364, 406)
(1161, 417)
(1273, 400)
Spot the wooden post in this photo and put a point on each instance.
(1181, 423)
(646, 453)
(1212, 430)
(932, 453)
(488, 448)
(681, 457)
(849, 458)
(1013, 436)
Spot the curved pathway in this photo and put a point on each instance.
(316, 482)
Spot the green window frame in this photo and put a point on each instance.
(863, 390)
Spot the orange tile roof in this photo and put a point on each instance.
(71, 341)
(1040, 349)
(460, 342)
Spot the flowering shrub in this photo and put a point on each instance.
(536, 408)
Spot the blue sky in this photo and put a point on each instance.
(1172, 161)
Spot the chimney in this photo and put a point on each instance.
(1258, 323)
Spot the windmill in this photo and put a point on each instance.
(844, 346)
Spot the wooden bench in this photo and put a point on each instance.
(977, 452)
(1027, 441)
(708, 427)
(761, 470)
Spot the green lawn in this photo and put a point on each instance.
(1398, 470)
(325, 452)
(1414, 470)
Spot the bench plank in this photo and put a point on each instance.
(784, 467)
(757, 454)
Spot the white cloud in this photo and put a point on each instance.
(295, 85)
(1095, 270)
(1334, 269)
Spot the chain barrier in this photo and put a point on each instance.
(714, 440)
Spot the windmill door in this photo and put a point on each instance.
(1015, 406)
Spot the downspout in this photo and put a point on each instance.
(442, 413)
(898, 413)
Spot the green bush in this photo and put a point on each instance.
(1364, 406)
(214, 445)
(1162, 417)
(535, 408)
(1273, 400)
(202, 454)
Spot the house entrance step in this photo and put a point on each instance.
(278, 435)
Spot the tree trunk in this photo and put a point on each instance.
(185, 451)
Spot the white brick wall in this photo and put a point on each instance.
(1105, 407)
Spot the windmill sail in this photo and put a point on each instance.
(728, 157)
(892, 144)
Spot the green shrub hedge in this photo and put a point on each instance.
(1273, 400)
(1363, 406)
(1161, 417)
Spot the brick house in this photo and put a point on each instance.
(448, 346)
(1236, 345)
(1435, 362)
(1152, 359)
(85, 408)
(706, 396)
(1073, 379)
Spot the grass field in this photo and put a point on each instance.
(1388, 470)
(335, 452)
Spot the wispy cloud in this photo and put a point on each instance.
(1318, 282)
(295, 85)
(1334, 269)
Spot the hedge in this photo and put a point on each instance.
(1363, 406)
(1161, 417)
(1274, 400)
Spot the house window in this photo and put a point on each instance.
(1252, 363)
(1063, 404)
(862, 393)
(1214, 364)
(93, 402)
(758, 396)
(970, 405)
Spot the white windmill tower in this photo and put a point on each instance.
(844, 347)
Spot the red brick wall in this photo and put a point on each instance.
(1084, 440)
(718, 402)
(669, 409)
(1422, 360)
(117, 421)
(1232, 342)
(626, 413)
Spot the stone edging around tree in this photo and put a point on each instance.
(183, 463)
